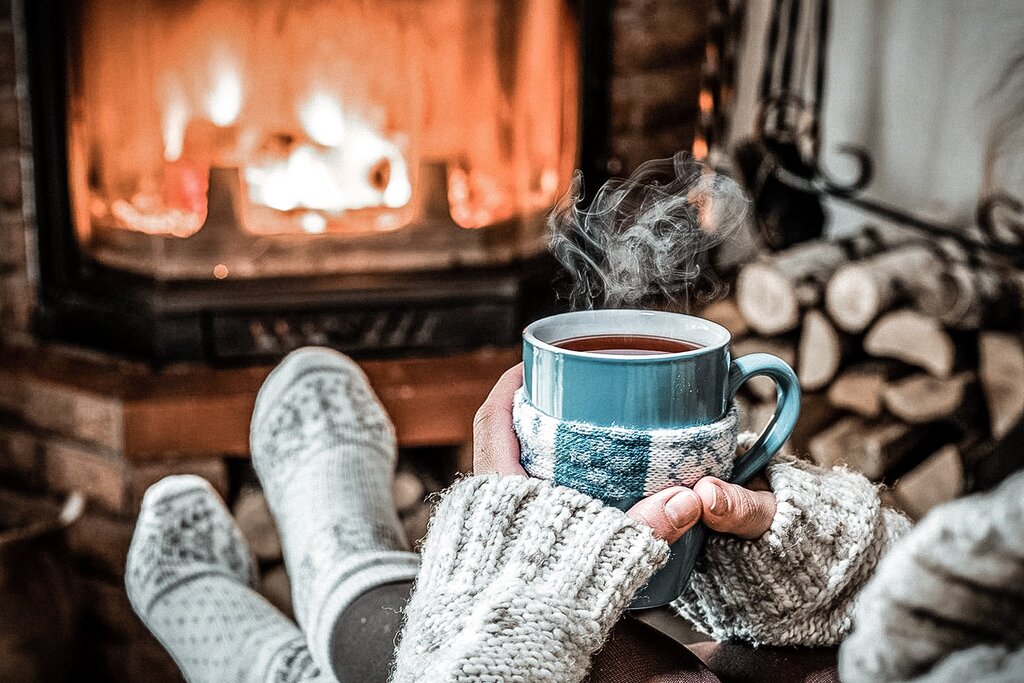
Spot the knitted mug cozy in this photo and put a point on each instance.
(616, 463)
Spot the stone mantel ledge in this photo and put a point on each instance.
(192, 411)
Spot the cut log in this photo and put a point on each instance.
(415, 523)
(939, 479)
(761, 388)
(727, 314)
(756, 416)
(1001, 369)
(859, 388)
(915, 339)
(874, 450)
(820, 352)
(859, 292)
(277, 589)
(771, 292)
(816, 413)
(407, 490)
(252, 514)
(977, 295)
(921, 398)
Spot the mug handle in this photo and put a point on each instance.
(787, 409)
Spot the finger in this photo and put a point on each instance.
(735, 510)
(495, 446)
(669, 513)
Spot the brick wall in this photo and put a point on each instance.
(73, 421)
(16, 283)
(657, 49)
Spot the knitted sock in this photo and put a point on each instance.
(324, 451)
(188, 577)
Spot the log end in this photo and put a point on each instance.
(853, 299)
(767, 299)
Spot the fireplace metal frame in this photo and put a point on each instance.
(83, 302)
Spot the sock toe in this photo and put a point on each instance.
(184, 530)
(175, 485)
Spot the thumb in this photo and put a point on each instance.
(669, 513)
(732, 509)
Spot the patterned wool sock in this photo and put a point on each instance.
(188, 577)
(324, 450)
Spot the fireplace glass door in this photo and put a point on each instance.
(213, 139)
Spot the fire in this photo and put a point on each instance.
(174, 118)
(318, 118)
(224, 101)
(344, 165)
(323, 120)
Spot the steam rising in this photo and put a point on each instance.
(645, 241)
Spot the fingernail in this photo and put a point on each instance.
(719, 501)
(683, 509)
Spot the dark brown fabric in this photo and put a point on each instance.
(364, 642)
(733, 662)
(638, 653)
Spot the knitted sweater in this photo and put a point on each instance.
(947, 604)
(522, 580)
(797, 584)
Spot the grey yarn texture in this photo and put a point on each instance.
(613, 463)
(947, 604)
(324, 450)
(521, 581)
(798, 583)
(189, 576)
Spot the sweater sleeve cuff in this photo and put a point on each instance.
(795, 585)
(512, 560)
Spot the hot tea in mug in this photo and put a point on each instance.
(626, 345)
(651, 370)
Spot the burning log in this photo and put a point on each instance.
(874, 450)
(859, 389)
(859, 292)
(772, 292)
(820, 352)
(915, 339)
(920, 399)
(1001, 369)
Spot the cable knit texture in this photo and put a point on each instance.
(798, 583)
(521, 580)
(613, 463)
(946, 603)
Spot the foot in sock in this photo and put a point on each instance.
(188, 578)
(324, 451)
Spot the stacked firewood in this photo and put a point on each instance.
(908, 350)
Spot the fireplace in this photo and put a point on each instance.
(228, 180)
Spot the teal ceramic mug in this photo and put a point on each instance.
(659, 391)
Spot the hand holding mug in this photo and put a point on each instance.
(724, 507)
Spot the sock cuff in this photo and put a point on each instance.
(351, 578)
